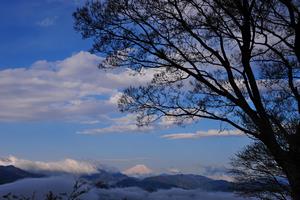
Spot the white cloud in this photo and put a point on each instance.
(117, 129)
(169, 121)
(114, 99)
(63, 166)
(48, 21)
(70, 89)
(200, 134)
(138, 170)
(123, 124)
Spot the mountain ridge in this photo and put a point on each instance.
(11, 173)
(164, 181)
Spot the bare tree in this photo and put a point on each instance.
(258, 175)
(235, 61)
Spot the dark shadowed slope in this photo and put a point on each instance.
(10, 174)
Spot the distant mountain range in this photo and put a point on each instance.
(105, 179)
(185, 181)
(10, 174)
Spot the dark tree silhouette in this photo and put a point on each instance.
(258, 175)
(235, 61)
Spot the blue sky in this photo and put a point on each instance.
(56, 104)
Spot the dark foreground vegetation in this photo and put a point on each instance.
(234, 61)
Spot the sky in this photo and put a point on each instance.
(55, 104)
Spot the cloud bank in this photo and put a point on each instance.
(64, 166)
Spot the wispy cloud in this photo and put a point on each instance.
(123, 124)
(48, 21)
(117, 129)
(200, 134)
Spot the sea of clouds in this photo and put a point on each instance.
(62, 184)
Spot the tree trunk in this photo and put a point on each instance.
(292, 164)
(289, 161)
(293, 173)
(295, 184)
